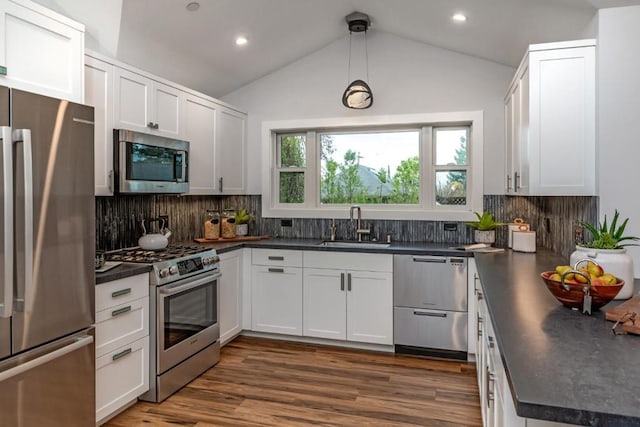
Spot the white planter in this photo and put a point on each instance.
(242, 229)
(615, 261)
(486, 236)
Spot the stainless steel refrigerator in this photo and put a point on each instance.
(47, 250)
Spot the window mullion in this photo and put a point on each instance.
(311, 174)
(427, 173)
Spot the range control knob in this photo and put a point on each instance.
(164, 272)
(206, 261)
(173, 270)
(215, 258)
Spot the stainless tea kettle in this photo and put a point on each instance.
(154, 241)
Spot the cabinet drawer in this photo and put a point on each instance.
(122, 324)
(121, 376)
(443, 330)
(276, 257)
(348, 261)
(121, 291)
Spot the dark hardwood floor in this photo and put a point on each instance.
(261, 382)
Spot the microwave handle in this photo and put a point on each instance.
(183, 154)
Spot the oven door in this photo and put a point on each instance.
(188, 318)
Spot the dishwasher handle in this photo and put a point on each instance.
(428, 313)
(436, 260)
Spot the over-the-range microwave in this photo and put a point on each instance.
(145, 163)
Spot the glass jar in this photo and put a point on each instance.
(211, 225)
(228, 224)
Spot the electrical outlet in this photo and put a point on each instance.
(547, 224)
(578, 233)
(166, 220)
(450, 226)
(286, 222)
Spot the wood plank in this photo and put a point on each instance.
(261, 382)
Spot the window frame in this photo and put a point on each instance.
(426, 210)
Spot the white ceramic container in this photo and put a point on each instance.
(615, 261)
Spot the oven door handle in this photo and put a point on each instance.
(177, 288)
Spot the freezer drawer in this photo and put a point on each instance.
(52, 385)
(436, 329)
(430, 282)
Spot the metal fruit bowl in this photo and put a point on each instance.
(572, 294)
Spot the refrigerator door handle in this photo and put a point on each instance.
(24, 136)
(6, 304)
(78, 342)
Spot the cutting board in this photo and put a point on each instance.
(233, 239)
(631, 305)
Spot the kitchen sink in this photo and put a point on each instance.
(352, 244)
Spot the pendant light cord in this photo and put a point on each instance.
(349, 69)
(366, 54)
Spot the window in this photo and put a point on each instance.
(394, 169)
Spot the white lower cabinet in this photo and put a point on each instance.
(348, 303)
(121, 376)
(122, 344)
(496, 400)
(230, 295)
(276, 299)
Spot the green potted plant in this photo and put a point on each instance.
(608, 248)
(243, 218)
(484, 228)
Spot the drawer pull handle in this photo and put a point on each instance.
(121, 292)
(122, 354)
(120, 311)
(434, 260)
(429, 313)
(276, 270)
(276, 258)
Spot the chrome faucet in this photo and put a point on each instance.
(359, 230)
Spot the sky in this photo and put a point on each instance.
(379, 150)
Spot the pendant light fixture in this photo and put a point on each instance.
(358, 94)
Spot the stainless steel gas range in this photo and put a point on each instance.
(184, 314)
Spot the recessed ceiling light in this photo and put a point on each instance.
(241, 40)
(459, 17)
(193, 6)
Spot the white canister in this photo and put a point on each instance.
(615, 261)
(518, 224)
(524, 241)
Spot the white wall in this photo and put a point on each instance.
(405, 77)
(618, 116)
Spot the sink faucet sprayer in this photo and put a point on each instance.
(359, 230)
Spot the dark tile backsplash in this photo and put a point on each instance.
(118, 220)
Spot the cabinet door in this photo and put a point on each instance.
(563, 121)
(132, 94)
(230, 295)
(166, 104)
(230, 154)
(121, 376)
(276, 299)
(98, 82)
(324, 303)
(200, 131)
(42, 52)
(370, 307)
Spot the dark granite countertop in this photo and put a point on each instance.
(314, 245)
(561, 365)
(122, 271)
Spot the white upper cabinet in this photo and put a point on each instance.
(41, 51)
(230, 153)
(200, 131)
(550, 121)
(99, 94)
(144, 105)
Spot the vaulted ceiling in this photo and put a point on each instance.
(197, 48)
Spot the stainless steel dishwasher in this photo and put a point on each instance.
(430, 305)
